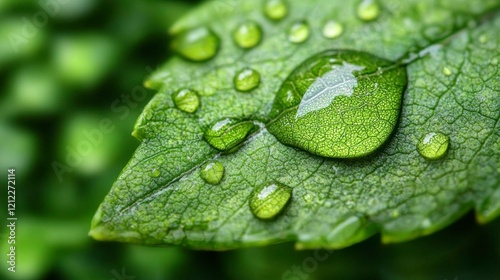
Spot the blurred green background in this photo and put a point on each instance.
(68, 65)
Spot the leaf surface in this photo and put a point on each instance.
(451, 49)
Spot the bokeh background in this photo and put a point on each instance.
(66, 66)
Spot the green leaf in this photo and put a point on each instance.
(451, 51)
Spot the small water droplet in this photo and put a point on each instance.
(339, 104)
(186, 100)
(269, 200)
(276, 9)
(246, 80)
(368, 10)
(212, 172)
(155, 173)
(247, 35)
(433, 145)
(198, 44)
(483, 39)
(447, 71)
(228, 133)
(299, 32)
(332, 29)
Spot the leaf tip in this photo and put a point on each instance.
(96, 231)
(101, 231)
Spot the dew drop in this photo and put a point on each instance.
(332, 29)
(299, 32)
(246, 80)
(212, 172)
(228, 133)
(198, 44)
(247, 35)
(269, 200)
(447, 71)
(155, 173)
(186, 100)
(339, 104)
(368, 10)
(276, 9)
(433, 145)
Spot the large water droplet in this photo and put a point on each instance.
(339, 104)
(275, 9)
(299, 32)
(186, 100)
(433, 145)
(247, 35)
(198, 44)
(368, 10)
(332, 29)
(227, 133)
(212, 172)
(269, 200)
(246, 80)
